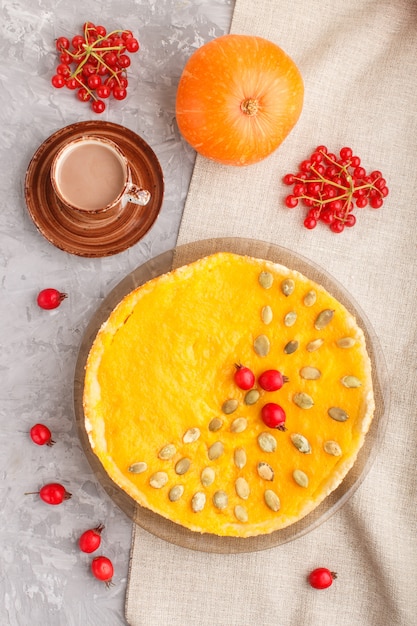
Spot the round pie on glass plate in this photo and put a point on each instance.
(173, 430)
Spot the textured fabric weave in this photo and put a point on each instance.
(358, 61)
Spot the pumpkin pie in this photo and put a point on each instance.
(171, 426)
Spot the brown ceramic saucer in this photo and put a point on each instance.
(94, 235)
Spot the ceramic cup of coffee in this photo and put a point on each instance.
(92, 175)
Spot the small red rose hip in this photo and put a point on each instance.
(321, 578)
(50, 298)
(90, 540)
(244, 377)
(41, 435)
(273, 416)
(272, 380)
(52, 493)
(102, 569)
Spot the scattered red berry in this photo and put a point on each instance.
(58, 81)
(52, 493)
(72, 83)
(100, 30)
(331, 186)
(98, 106)
(244, 377)
(41, 435)
(50, 298)
(62, 43)
(119, 92)
(272, 380)
(94, 81)
(90, 540)
(94, 61)
(321, 578)
(291, 201)
(132, 44)
(83, 94)
(273, 416)
(103, 91)
(124, 61)
(77, 42)
(102, 569)
(63, 69)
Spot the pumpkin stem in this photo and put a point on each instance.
(250, 106)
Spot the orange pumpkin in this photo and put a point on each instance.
(238, 98)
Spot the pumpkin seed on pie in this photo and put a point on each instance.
(171, 428)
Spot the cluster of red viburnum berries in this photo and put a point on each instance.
(330, 186)
(94, 64)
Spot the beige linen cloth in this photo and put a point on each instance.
(359, 63)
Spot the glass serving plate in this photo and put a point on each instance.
(171, 531)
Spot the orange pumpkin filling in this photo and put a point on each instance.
(172, 428)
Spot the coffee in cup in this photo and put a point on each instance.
(92, 175)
